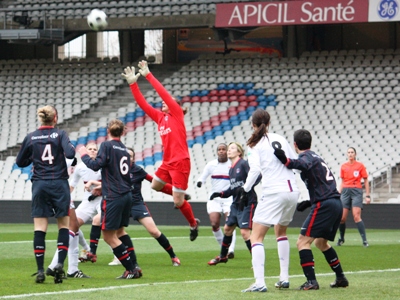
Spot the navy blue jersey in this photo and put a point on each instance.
(137, 176)
(113, 159)
(237, 176)
(46, 148)
(319, 180)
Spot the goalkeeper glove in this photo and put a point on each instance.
(301, 206)
(130, 75)
(143, 68)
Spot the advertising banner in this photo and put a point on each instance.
(247, 14)
(383, 11)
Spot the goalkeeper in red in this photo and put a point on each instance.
(175, 167)
(326, 210)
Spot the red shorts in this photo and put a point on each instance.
(176, 173)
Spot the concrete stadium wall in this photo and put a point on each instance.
(375, 216)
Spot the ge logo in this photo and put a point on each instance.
(388, 9)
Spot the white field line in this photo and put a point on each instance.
(176, 282)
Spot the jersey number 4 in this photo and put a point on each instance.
(47, 155)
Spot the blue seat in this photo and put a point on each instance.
(82, 140)
(250, 92)
(92, 136)
(158, 156)
(123, 119)
(157, 104)
(263, 103)
(261, 98)
(221, 86)
(235, 123)
(249, 85)
(259, 92)
(194, 93)
(190, 143)
(218, 132)
(74, 143)
(240, 86)
(231, 86)
(272, 103)
(271, 97)
(199, 140)
(203, 93)
(102, 131)
(148, 160)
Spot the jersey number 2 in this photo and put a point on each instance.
(328, 172)
(47, 155)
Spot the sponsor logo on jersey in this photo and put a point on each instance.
(356, 173)
(164, 131)
(237, 170)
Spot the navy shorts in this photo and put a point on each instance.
(352, 197)
(139, 211)
(323, 220)
(50, 198)
(242, 219)
(115, 213)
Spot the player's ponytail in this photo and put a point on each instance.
(116, 128)
(46, 115)
(259, 119)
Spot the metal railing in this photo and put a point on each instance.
(385, 176)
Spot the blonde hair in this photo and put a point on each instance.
(239, 148)
(116, 127)
(46, 115)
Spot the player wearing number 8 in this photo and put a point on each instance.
(114, 161)
(46, 148)
(279, 197)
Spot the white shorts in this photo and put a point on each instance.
(88, 209)
(219, 205)
(275, 209)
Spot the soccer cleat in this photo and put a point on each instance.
(50, 272)
(138, 269)
(217, 260)
(130, 274)
(253, 288)
(83, 255)
(282, 284)
(309, 285)
(365, 244)
(78, 274)
(340, 282)
(194, 231)
(40, 278)
(91, 257)
(114, 262)
(340, 242)
(175, 262)
(231, 255)
(59, 273)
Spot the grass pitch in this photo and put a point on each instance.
(373, 272)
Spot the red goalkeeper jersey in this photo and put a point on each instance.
(171, 126)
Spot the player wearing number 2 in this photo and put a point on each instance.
(278, 202)
(114, 161)
(326, 210)
(46, 148)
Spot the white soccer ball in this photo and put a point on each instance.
(97, 20)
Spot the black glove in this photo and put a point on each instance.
(243, 198)
(280, 154)
(74, 162)
(199, 183)
(92, 197)
(187, 197)
(215, 195)
(303, 205)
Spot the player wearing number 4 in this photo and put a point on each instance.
(46, 148)
(323, 220)
(175, 167)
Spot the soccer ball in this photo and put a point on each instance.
(97, 19)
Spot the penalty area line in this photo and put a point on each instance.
(175, 282)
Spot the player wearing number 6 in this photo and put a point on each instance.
(46, 148)
(114, 161)
(277, 204)
(323, 220)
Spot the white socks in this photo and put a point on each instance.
(82, 241)
(73, 254)
(218, 236)
(284, 257)
(258, 262)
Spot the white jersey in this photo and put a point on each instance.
(276, 178)
(82, 171)
(219, 172)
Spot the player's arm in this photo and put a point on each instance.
(94, 164)
(24, 157)
(340, 189)
(173, 106)
(69, 149)
(203, 177)
(301, 164)
(366, 184)
(254, 171)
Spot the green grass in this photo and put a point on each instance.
(373, 272)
